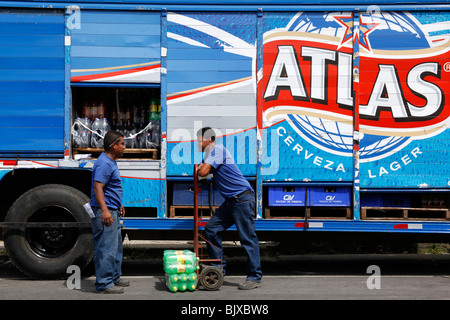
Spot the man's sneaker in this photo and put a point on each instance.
(249, 284)
(122, 283)
(113, 290)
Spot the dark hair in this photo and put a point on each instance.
(207, 133)
(111, 137)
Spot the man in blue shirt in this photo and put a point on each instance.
(238, 208)
(106, 203)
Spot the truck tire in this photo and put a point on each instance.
(46, 252)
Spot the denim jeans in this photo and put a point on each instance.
(239, 211)
(108, 250)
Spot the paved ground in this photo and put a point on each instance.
(301, 277)
(287, 280)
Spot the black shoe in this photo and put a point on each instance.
(122, 283)
(249, 284)
(113, 290)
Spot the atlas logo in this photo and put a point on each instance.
(386, 92)
(309, 80)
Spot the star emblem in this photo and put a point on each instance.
(364, 30)
(345, 21)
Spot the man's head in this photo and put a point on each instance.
(114, 143)
(205, 136)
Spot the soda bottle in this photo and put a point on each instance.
(96, 139)
(121, 123)
(180, 268)
(178, 252)
(182, 286)
(181, 259)
(183, 277)
(82, 133)
(99, 128)
(192, 276)
(192, 285)
(156, 128)
(151, 142)
(173, 277)
(130, 130)
(172, 285)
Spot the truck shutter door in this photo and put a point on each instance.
(31, 83)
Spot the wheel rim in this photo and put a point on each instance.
(50, 242)
(211, 279)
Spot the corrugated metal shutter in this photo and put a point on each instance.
(31, 83)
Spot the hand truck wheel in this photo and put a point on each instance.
(211, 278)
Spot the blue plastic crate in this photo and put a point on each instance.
(371, 200)
(183, 194)
(329, 196)
(287, 196)
(396, 200)
(385, 200)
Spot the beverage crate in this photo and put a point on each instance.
(183, 194)
(287, 196)
(329, 196)
(385, 200)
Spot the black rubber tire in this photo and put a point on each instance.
(45, 253)
(211, 278)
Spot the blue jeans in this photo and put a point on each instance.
(239, 211)
(108, 251)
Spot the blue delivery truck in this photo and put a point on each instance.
(337, 112)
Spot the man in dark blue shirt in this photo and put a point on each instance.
(106, 203)
(238, 208)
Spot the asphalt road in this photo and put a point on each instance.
(286, 278)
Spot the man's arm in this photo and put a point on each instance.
(107, 218)
(204, 169)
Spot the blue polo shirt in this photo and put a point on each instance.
(105, 170)
(227, 177)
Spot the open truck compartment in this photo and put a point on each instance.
(134, 112)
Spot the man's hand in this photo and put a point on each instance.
(122, 211)
(204, 169)
(107, 218)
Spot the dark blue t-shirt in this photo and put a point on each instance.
(105, 170)
(227, 177)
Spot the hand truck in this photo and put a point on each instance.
(210, 277)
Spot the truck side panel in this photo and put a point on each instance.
(404, 94)
(210, 82)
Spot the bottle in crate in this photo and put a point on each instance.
(82, 133)
(99, 128)
(152, 141)
(130, 131)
